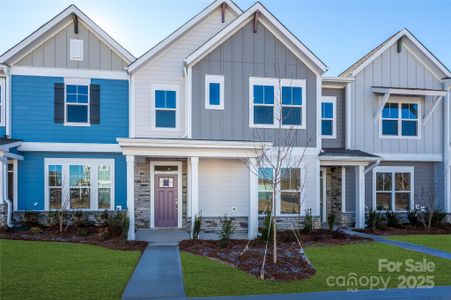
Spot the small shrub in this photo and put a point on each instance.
(227, 229)
(393, 219)
(82, 231)
(52, 219)
(30, 219)
(331, 220)
(438, 216)
(374, 220)
(117, 224)
(102, 220)
(266, 231)
(308, 222)
(412, 217)
(79, 219)
(197, 226)
(103, 234)
(35, 230)
(125, 225)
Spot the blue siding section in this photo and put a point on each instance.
(31, 187)
(2, 130)
(33, 119)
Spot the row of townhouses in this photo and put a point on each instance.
(171, 134)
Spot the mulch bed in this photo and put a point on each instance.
(407, 229)
(70, 236)
(290, 264)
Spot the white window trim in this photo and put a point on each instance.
(165, 87)
(94, 163)
(333, 100)
(76, 43)
(214, 79)
(77, 81)
(2, 102)
(400, 101)
(277, 84)
(394, 170)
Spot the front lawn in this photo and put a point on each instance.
(204, 277)
(437, 241)
(46, 270)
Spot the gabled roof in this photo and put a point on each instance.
(242, 20)
(72, 9)
(373, 54)
(181, 31)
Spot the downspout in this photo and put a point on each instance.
(372, 166)
(9, 204)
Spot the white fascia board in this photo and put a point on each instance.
(121, 51)
(413, 92)
(179, 143)
(181, 31)
(74, 73)
(238, 23)
(348, 158)
(69, 147)
(427, 157)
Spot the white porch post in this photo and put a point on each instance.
(3, 178)
(131, 196)
(360, 197)
(194, 163)
(252, 226)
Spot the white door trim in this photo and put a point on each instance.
(324, 208)
(179, 189)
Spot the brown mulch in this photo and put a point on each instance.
(70, 236)
(290, 264)
(407, 229)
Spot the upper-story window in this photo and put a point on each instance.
(276, 103)
(165, 106)
(77, 102)
(328, 117)
(401, 119)
(2, 102)
(214, 92)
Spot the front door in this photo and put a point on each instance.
(166, 202)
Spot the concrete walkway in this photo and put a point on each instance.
(436, 293)
(158, 275)
(409, 246)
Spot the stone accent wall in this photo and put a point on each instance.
(142, 191)
(3, 215)
(43, 216)
(213, 224)
(333, 192)
(347, 219)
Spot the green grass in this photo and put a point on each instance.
(204, 277)
(437, 241)
(45, 270)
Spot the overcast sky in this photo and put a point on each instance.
(338, 32)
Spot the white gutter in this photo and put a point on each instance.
(372, 166)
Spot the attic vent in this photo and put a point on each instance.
(256, 16)
(76, 49)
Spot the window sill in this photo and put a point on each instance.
(77, 124)
(213, 107)
(328, 137)
(399, 137)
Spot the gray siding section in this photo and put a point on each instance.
(351, 192)
(247, 54)
(393, 69)
(55, 52)
(339, 141)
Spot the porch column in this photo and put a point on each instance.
(252, 226)
(360, 197)
(194, 163)
(131, 196)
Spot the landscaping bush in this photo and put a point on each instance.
(266, 231)
(82, 231)
(80, 219)
(438, 216)
(393, 219)
(103, 234)
(227, 229)
(35, 230)
(331, 220)
(102, 220)
(117, 224)
(52, 219)
(308, 222)
(30, 219)
(412, 216)
(125, 225)
(374, 220)
(197, 226)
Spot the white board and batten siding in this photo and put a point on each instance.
(167, 69)
(393, 69)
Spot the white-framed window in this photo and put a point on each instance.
(288, 200)
(393, 188)
(214, 91)
(401, 118)
(2, 102)
(76, 102)
(165, 111)
(329, 117)
(275, 103)
(79, 183)
(76, 49)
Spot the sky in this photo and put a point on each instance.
(339, 32)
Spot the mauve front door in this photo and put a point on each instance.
(166, 212)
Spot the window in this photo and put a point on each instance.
(214, 92)
(400, 119)
(2, 102)
(165, 107)
(288, 201)
(393, 188)
(77, 102)
(265, 190)
(79, 183)
(276, 102)
(328, 117)
(76, 49)
(290, 194)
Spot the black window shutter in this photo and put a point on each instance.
(94, 106)
(59, 103)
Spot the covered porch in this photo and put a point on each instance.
(170, 182)
(343, 185)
